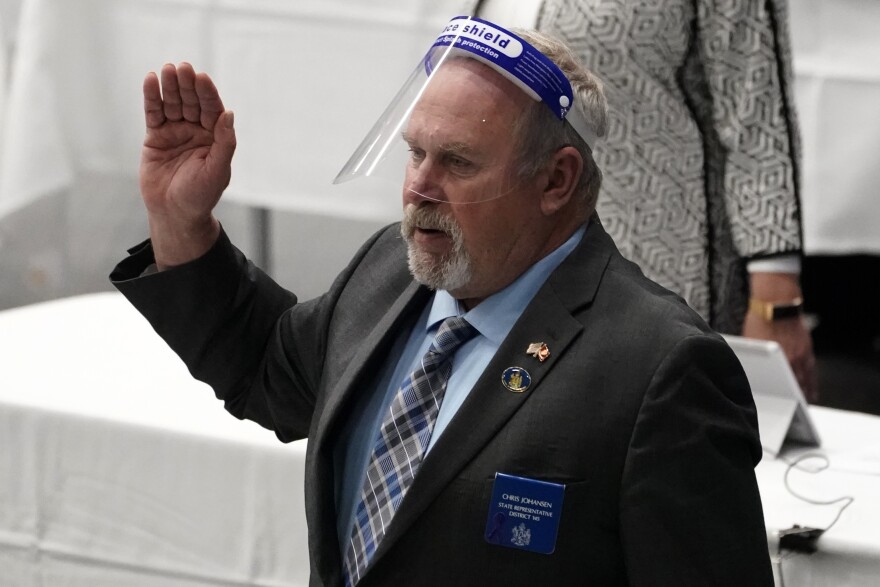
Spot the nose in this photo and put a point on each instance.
(423, 182)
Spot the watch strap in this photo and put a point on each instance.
(772, 311)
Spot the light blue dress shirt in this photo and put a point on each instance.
(493, 318)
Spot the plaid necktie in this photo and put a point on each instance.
(403, 438)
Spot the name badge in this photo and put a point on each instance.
(524, 513)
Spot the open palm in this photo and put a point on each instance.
(187, 155)
(186, 162)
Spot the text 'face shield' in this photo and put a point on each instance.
(450, 135)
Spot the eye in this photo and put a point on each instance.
(415, 154)
(459, 164)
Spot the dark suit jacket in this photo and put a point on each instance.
(641, 411)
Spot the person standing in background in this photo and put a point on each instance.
(702, 152)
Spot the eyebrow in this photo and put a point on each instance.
(454, 148)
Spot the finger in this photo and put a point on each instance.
(811, 380)
(800, 374)
(171, 93)
(186, 78)
(209, 100)
(815, 390)
(153, 110)
(802, 365)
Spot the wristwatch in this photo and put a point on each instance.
(772, 311)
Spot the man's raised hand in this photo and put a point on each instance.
(185, 163)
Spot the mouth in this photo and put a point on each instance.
(427, 229)
(432, 240)
(431, 231)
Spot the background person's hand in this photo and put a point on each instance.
(185, 163)
(792, 334)
(794, 338)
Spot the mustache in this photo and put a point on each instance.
(427, 218)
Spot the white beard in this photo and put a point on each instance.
(450, 272)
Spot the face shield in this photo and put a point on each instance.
(449, 135)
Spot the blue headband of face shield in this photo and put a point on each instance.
(382, 153)
(515, 59)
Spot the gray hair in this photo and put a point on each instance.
(540, 131)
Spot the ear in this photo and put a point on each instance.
(563, 172)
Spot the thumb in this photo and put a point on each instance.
(224, 140)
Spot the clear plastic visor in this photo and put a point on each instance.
(449, 135)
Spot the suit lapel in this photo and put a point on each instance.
(549, 319)
(386, 330)
(319, 464)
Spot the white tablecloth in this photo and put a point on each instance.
(849, 552)
(116, 468)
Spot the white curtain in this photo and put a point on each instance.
(306, 80)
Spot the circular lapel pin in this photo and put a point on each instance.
(516, 379)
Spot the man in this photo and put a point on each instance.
(561, 419)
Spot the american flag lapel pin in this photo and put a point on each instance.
(538, 350)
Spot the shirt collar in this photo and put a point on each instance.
(495, 316)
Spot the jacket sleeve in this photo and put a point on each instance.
(224, 317)
(744, 54)
(690, 510)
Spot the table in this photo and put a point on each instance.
(849, 553)
(116, 468)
